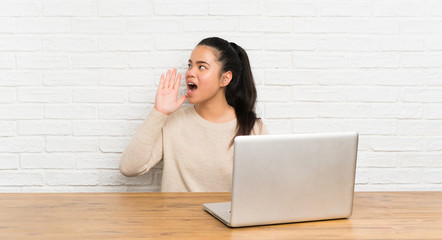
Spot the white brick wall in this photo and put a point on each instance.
(77, 78)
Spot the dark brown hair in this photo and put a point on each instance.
(241, 91)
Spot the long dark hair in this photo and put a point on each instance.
(241, 91)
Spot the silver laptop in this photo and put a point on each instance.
(290, 178)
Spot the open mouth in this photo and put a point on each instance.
(191, 87)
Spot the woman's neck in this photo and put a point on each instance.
(217, 112)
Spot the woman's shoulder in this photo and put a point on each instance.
(259, 128)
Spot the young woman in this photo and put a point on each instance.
(195, 142)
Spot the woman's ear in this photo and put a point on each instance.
(226, 78)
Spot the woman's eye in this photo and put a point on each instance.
(202, 67)
(188, 65)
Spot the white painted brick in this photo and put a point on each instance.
(396, 143)
(345, 110)
(8, 128)
(395, 77)
(318, 94)
(433, 42)
(97, 160)
(290, 77)
(376, 160)
(42, 61)
(7, 95)
(126, 77)
(108, 44)
(415, 127)
(344, 77)
(43, 25)
(425, 95)
(8, 161)
(372, 94)
(372, 26)
(99, 95)
(432, 111)
(44, 94)
(433, 144)
(421, 60)
(19, 43)
(291, 110)
(432, 176)
(72, 178)
(47, 161)
(436, 25)
(269, 60)
(100, 60)
(69, 44)
(317, 125)
(247, 42)
(415, 26)
(7, 25)
(21, 144)
(202, 24)
(372, 126)
(150, 188)
(70, 78)
(303, 8)
(71, 144)
(395, 176)
(274, 94)
(155, 25)
(21, 111)
(370, 60)
(20, 78)
(397, 110)
(364, 143)
(434, 77)
(361, 177)
(178, 41)
(74, 189)
(44, 127)
(22, 178)
(159, 60)
(290, 42)
(70, 8)
(68, 111)
(99, 25)
(236, 8)
(99, 128)
(344, 8)
(278, 126)
(181, 7)
(399, 44)
(7, 61)
(259, 24)
(114, 144)
(433, 7)
(114, 8)
(357, 44)
(112, 177)
(130, 112)
(19, 8)
(419, 159)
(142, 95)
(318, 61)
(319, 25)
(398, 8)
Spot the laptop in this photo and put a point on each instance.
(290, 178)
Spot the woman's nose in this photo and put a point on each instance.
(190, 73)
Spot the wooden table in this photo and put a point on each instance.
(376, 215)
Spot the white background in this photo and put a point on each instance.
(78, 77)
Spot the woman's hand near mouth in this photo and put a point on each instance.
(166, 101)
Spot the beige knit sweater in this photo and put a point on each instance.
(196, 152)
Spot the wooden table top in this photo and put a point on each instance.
(376, 215)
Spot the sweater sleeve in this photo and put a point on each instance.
(145, 149)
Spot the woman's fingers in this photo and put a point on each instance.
(172, 78)
(177, 82)
(167, 83)
(161, 86)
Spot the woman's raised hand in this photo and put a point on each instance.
(166, 101)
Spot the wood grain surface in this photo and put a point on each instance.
(376, 215)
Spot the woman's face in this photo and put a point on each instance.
(203, 75)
